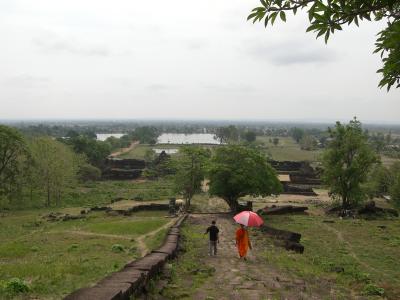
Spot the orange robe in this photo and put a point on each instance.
(242, 241)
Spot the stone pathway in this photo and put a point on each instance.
(237, 279)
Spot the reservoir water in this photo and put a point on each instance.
(181, 138)
(104, 136)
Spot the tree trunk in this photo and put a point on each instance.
(233, 204)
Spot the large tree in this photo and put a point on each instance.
(190, 171)
(347, 162)
(55, 166)
(237, 171)
(12, 147)
(327, 16)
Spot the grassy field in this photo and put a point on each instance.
(287, 149)
(103, 192)
(54, 258)
(367, 253)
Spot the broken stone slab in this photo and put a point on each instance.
(280, 210)
(170, 249)
(370, 208)
(152, 263)
(172, 238)
(281, 234)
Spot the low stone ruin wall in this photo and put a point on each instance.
(117, 168)
(303, 179)
(142, 207)
(283, 238)
(121, 173)
(281, 210)
(286, 166)
(297, 190)
(133, 279)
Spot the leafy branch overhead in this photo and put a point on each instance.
(327, 16)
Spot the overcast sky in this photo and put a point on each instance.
(182, 59)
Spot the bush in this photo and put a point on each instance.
(73, 247)
(89, 173)
(117, 248)
(16, 286)
(373, 290)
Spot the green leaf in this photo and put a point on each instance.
(273, 17)
(327, 36)
(313, 27)
(264, 3)
(251, 16)
(266, 21)
(283, 16)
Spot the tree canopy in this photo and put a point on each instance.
(347, 162)
(12, 146)
(236, 171)
(328, 16)
(191, 169)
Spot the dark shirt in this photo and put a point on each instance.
(213, 230)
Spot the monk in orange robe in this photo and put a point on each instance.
(242, 241)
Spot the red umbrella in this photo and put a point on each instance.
(248, 218)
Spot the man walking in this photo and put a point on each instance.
(214, 238)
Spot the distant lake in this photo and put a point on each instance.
(181, 138)
(167, 150)
(104, 136)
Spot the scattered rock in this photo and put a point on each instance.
(117, 199)
(337, 269)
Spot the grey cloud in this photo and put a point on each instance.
(68, 46)
(25, 81)
(291, 53)
(195, 44)
(157, 87)
(230, 88)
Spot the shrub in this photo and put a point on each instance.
(73, 247)
(117, 248)
(373, 290)
(16, 286)
(88, 172)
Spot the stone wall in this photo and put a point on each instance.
(116, 168)
(133, 279)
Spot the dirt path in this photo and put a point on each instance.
(124, 150)
(235, 279)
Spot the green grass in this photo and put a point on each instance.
(287, 149)
(368, 254)
(156, 240)
(126, 227)
(183, 280)
(55, 258)
(102, 192)
(138, 152)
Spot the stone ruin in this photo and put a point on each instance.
(301, 177)
(118, 168)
